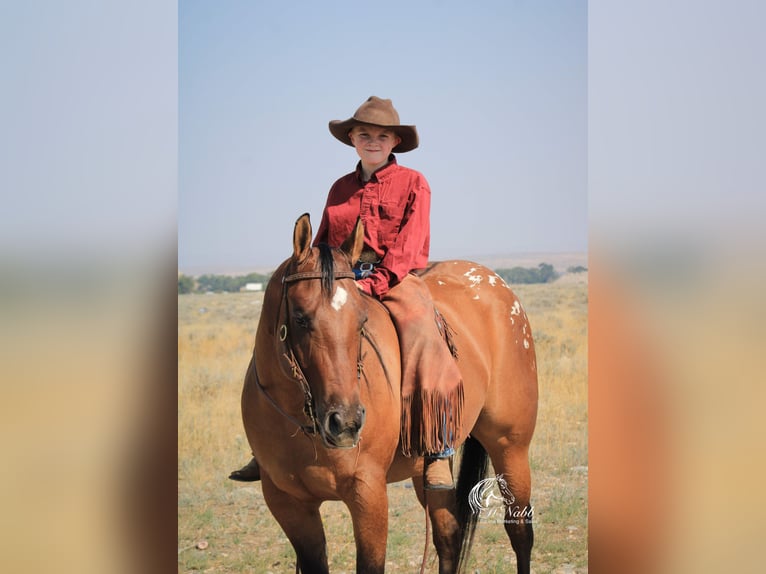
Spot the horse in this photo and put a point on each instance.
(321, 403)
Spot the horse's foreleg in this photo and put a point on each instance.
(368, 505)
(302, 524)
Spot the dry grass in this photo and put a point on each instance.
(215, 336)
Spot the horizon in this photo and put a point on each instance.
(560, 260)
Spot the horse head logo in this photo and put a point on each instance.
(490, 496)
(505, 490)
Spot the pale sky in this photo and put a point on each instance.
(676, 122)
(497, 90)
(88, 128)
(126, 125)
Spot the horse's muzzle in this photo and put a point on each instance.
(341, 426)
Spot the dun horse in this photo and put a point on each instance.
(321, 403)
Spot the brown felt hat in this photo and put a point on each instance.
(377, 112)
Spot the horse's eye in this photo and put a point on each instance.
(302, 321)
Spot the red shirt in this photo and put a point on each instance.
(395, 208)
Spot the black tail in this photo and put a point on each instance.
(473, 468)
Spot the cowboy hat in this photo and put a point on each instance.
(377, 112)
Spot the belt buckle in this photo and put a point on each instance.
(364, 270)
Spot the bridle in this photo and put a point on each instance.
(295, 369)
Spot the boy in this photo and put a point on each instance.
(394, 204)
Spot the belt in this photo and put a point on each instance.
(366, 264)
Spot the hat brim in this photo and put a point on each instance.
(408, 134)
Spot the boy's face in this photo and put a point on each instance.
(373, 143)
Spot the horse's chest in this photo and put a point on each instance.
(309, 483)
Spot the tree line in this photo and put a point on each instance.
(543, 273)
(218, 283)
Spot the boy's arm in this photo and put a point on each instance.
(407, 248)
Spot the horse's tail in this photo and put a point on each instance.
(473, 469)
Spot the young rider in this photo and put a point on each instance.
(394, 203)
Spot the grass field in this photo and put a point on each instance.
(225, 527)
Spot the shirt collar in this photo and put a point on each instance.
(381, 172)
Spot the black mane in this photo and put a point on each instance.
(327, 265)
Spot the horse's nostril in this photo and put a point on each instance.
(335, 423)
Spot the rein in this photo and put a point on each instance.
(308, 430)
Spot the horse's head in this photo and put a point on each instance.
(322, 320)
(505, 489)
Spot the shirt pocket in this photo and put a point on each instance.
(390, 215)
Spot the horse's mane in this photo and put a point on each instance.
(327, 266)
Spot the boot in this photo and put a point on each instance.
(248, 473)
(437, 474)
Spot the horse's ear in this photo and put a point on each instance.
(302, 237)
(354, 243)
